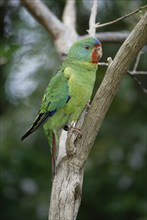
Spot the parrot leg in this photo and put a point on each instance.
(53, 155)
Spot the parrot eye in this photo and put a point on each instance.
(87, 47)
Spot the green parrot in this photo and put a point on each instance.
(68, 91)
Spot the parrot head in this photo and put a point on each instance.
(86, 50)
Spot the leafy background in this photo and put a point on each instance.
(115, 174)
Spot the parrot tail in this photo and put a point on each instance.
(53, 141)
(54, 148)
(40, 120)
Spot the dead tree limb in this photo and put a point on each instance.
(67, 184)
(66, 29)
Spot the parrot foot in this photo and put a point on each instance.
(75, 129)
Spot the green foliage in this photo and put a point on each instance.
(115, 175)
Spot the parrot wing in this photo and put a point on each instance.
(55, 97)
(56, 94)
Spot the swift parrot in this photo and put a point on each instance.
(68, 91)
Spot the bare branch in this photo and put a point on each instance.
(98, 25)
(53, 25)
(116, 37)
(61, 32)
(103, 64)
(137, 72)
(109, 61)
(139, 83)
(134, 72)
(137, 61)
(69, 14)
(45, 17)
(92, 19)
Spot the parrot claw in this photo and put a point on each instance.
(74, 128)
(77, 130)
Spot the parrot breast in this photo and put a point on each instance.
(81, 81)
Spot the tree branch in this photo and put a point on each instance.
(135, 72)
(45, 17)
(137, 61)
(138, 82)
(61, 31)
(92, 19)
(98, 25)
(67, 184)
(110, 37)
(69, 15)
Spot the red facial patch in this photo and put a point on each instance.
(94, 55)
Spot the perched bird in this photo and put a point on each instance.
(68, 91)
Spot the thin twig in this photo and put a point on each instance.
(135, 72)
(109, 59)
(138, 72)
(98, 25)
(116, 37)
(92, 28)
(137, 61)
(102, 64)
(139, 83)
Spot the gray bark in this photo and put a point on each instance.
(67, 184)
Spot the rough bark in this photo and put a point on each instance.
(67, 184)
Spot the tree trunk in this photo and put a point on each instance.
(67, 183)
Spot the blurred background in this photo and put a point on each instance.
(116, 171)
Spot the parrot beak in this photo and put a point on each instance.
(96, 53)
(99, 52)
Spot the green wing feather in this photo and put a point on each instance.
(56, 94)
(55, 97)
